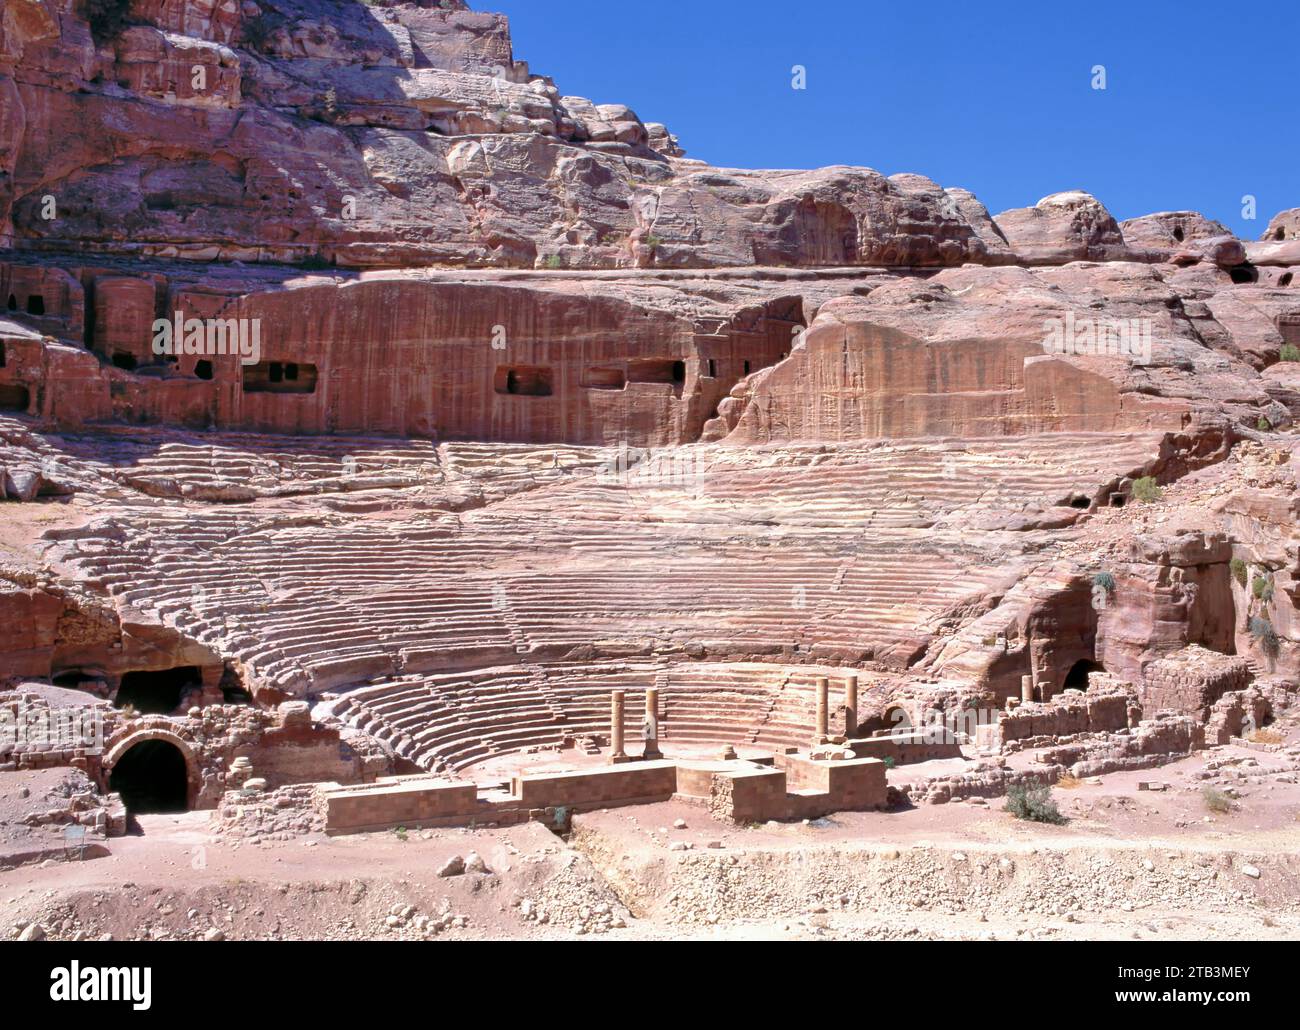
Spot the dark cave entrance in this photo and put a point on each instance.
(157, 693)
(14, 397)
(151, 777)
(1077, 677)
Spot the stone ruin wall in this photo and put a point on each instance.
(285, 746)
(1193, 680)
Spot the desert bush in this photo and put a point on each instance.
(1263, 425)
(1262, 587)
(1290, 352)
(1265, 635)
(1034, 804)
(1265, 737)
(1238, 568)
(1216, 800)
(1104, 580)
(1146, 490)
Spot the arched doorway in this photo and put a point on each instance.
(1077, 677)
(152, 776)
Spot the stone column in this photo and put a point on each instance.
(1026, 688)
(616, 752)
(650, 727)
(851, 708)
(823, 702)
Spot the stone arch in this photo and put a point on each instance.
(118, 750)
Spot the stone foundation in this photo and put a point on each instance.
(1191, 680)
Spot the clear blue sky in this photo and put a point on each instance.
(1200, 105)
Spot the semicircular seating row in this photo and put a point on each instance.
(306, 601)
(452, 721)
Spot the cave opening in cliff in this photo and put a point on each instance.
(203, 368)
(36, 304)
(151, 777)
(157, 692)
(1243, 275)
(2, 354)
(1279, 234)
(1285, 280)
(280, 377)
(523, 381)
(1178, 233)
(658, 370)
(1077, 677)
(74, 678)
(12, 304)
(123, 360)
(14, 397)
(235, 696)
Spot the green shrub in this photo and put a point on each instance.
(1238, 568)
(107, 18)
(1034, 804)
(1146, 490)
(1104, 580)
(554, 261)
(1216, 800)
(1262, 587)
(1263, 425)
(1290, 352)
(1265, 635)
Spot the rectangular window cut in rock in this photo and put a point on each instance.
(604, 378)
(280, 377)
(657, 370)
(523, 380)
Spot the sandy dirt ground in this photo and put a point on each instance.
(1129, 864)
